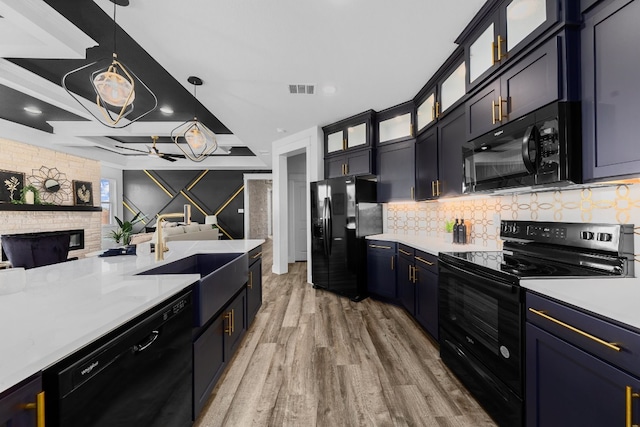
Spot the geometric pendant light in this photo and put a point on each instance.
(115, 87)
(193, 135)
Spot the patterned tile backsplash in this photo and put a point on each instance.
(611, 204)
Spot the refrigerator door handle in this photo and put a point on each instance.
(325, 235)
(329, 224)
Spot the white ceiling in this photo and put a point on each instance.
(375, 53)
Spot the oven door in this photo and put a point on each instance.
(508, 157)
(483, 315)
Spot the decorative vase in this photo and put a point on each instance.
(448, 237)
(29, 197)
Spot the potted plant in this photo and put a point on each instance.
(29, 195)
(448, 231)
(123, 232)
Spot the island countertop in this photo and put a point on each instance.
(60, 308)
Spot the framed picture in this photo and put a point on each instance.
(11, 184)
(82, 193)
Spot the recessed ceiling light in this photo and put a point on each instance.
(329, 90)
(32, 110)
(280, 130)
(263, 152)
(166, 110)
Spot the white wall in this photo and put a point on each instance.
(309, 141)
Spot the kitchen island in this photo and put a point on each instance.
(61, 308)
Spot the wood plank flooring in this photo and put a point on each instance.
(312, 358)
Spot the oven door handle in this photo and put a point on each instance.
(499, 283)
(531, 135)
(478, 370)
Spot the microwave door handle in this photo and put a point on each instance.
(530, 134)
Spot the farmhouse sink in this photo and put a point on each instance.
(222, 275)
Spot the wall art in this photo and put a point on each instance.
(11, 184)
(82, 193)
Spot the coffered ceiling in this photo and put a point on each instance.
(358, 55)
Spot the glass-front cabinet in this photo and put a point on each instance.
(353, 133)
(509, 26)
(452, 88)
(426, 111)
(395, 124)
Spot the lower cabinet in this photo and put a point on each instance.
(574, 380)
(23, 405)
(406, 284)
(381, 268)
(215, 346)
(426, 297)
(254, 284)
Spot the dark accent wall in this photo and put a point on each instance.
(215, 192)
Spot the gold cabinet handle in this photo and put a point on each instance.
(38, 405)
(404, 252)
(629, 409)
(411, 273)
(433, 112)
(493, 53)
(433, 188)
(610, 345)
(500, 55)
(233, 320)
(415, 275)
(410, 129)
(250, 280)
(493, 112)
(228, 317)
(413, 193)
(424, 260)
(380, 247)
(259, 254)
(500, 111)
(437, 109)
(437, 187)
(344, 143)
(392, 261)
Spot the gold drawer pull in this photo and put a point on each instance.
(380, 247)
(424, 260)
(404, 252)
(612, 346)
(250, 284)
(629, 413)
(259, 254)
(39, 408)
(392, 257)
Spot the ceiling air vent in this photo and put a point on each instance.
(302, 89)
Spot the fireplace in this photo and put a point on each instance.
(76, 238)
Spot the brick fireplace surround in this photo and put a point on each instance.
(25, 158)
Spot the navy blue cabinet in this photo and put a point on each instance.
(405, 275)
(426, 173)
(352, 163)
(396, 175)
(381, 268)
(348, 145)
(580, 369)
(533, 82)
(426, 291)
(610, 90)
(23, 404)
(254, 284)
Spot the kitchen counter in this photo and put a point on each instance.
(616, 299)
(432, 245)
(60, 308)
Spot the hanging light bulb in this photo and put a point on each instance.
(199, 138)
(114, 84)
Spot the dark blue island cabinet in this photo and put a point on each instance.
(610, 90)
(254, 284)
(381, 269)
(23, 404)
(581, 370)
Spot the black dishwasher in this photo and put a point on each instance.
(139, 375)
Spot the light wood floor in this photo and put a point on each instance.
(311, 358)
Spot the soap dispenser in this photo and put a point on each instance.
(456, 230)
(462, 232)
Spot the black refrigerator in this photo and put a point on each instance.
(343, 212)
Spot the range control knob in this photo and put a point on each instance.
(586, 235)
(605, 237)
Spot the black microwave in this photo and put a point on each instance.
(542, 148)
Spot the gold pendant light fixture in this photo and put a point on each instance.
(199, 139)
(115, 87)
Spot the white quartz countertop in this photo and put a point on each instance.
(47, 313)
(616, 298)
(432, 245)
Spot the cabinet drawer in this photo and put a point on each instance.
(405, 251)
(381, 247)
(426, 261)
(601, 338)
(255, 254)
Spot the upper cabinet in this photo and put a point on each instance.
(395, 124)
(445, 90)
(610, 90)
(352, 133)
(500, 30)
